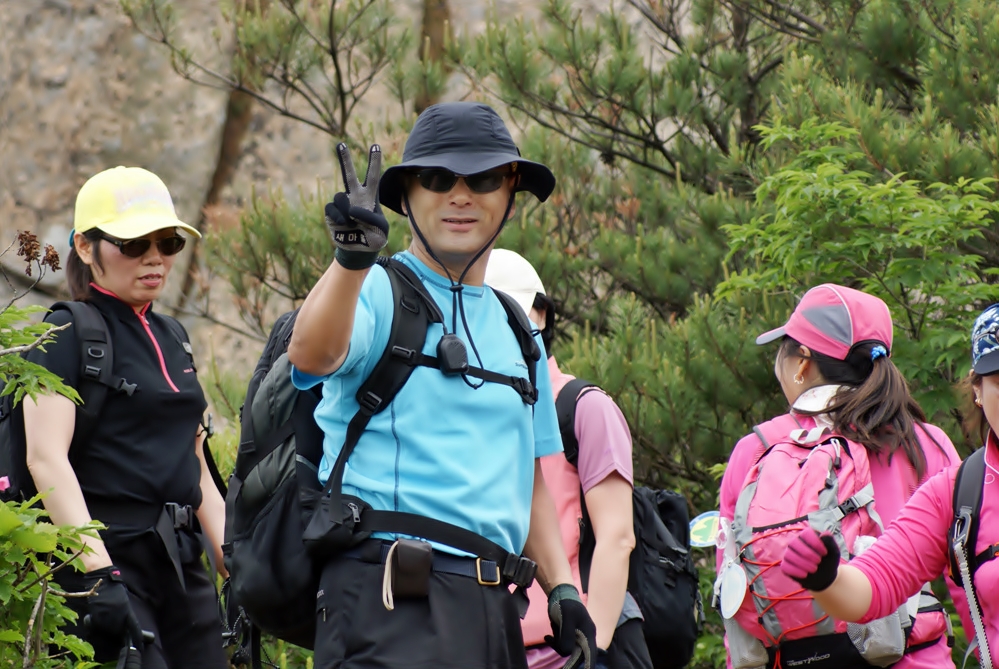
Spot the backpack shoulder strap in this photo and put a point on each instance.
(968, 497)
(411, 316)
(565, 410)
(180, 334)
(524, 332)
(771, 432)
(96, 364)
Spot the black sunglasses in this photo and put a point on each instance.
(136, 248)
(440, 180)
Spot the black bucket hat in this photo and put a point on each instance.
(466, 138)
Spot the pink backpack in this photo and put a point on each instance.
(804, 477)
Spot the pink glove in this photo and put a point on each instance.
(812, 560)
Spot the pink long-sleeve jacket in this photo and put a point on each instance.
(915, 549)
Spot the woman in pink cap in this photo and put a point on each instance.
(834, 367)
(939, 527)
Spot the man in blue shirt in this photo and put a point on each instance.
(448, 447)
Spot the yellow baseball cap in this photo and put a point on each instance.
(127, 203)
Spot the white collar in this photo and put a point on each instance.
(815, 400)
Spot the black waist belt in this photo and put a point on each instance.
(486, 572)
(166, 520)
(143, 516)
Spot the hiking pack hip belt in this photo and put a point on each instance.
(486, 572)
(166, 521)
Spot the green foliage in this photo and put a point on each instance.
(32, 610)
(19, 333)
(893, 237)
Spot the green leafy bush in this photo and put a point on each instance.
(32, 609)
(31, 549)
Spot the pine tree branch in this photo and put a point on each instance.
(803, 18)
(765, 70)
(227, 83)
(206, 315)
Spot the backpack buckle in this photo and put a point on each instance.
(849, 506)
(497, 576)
(126, 387)
(406, 354)
(91, 372)
(370, 402)
(526, 389)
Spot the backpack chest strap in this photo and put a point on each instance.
(528, 393)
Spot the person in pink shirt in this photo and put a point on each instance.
(917, 545)
(602, 479)
(835, 370)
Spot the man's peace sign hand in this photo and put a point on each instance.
(355, 220)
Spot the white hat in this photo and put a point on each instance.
(511, 273)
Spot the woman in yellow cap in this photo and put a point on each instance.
(130, 456)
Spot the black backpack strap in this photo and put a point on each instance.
(96, 365)
(524, 332)
(180, 335)
(526, 388)
(968, 497)
(565, 409)
(410, 319)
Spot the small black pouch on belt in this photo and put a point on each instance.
(412, 562)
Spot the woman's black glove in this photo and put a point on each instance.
(110, 612)
(574, 634)
(354, 218)
(812, 559)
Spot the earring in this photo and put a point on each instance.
(799, 379)
(978, 401)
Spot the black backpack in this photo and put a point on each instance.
(281, 526)
(96, 379)
(968, 487)
(661, 574)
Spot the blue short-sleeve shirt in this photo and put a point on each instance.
(441, 449)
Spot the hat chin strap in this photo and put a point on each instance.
(457, 301)
(475, 258)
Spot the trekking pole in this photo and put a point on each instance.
(961, 528)
(130, 657)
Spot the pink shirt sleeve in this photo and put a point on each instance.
(745, 454)
(913, 550)
(605, 440)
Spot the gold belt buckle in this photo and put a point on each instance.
(478, 574)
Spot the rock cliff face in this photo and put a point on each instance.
(80, 91)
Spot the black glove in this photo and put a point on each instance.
(575, 635)
(356, 223)
(812, 560)
(110, 612)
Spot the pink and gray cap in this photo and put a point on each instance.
(832, 319)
